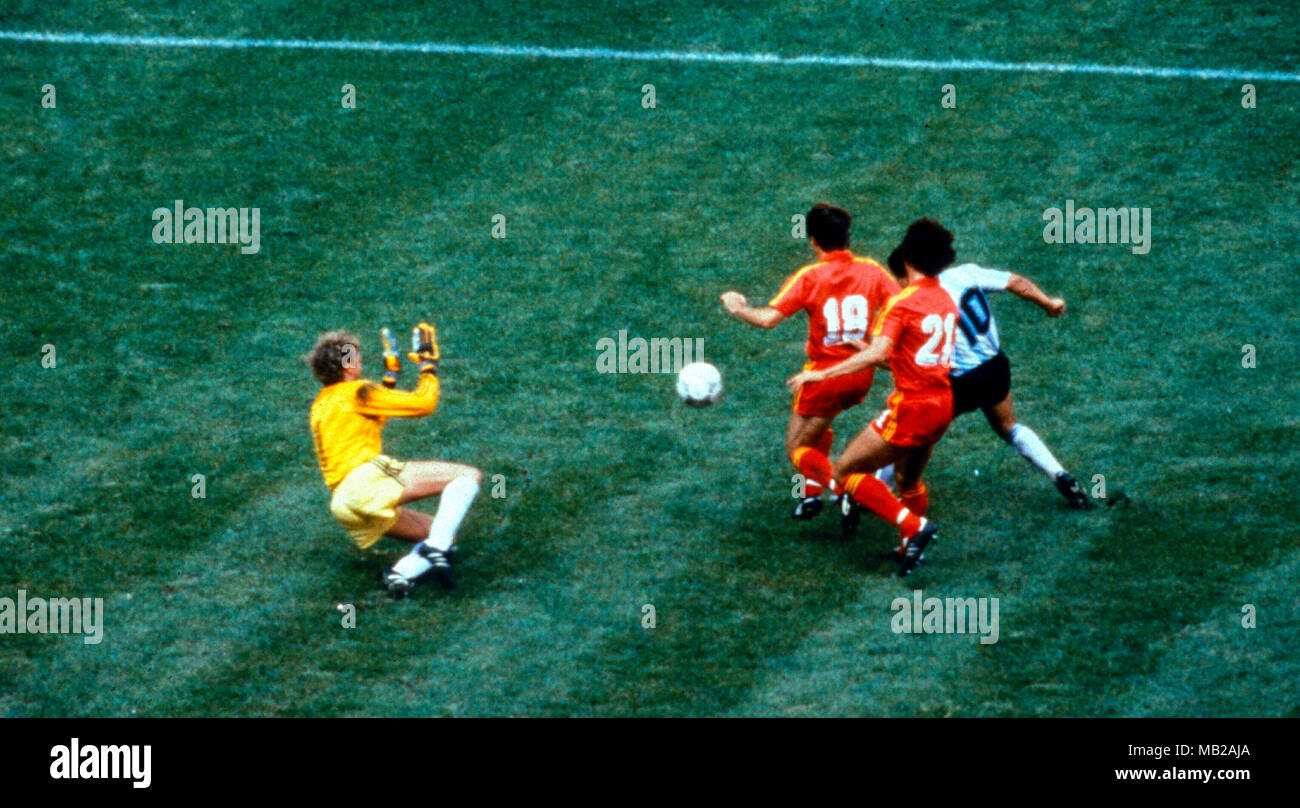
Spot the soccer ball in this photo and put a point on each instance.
(699, 384)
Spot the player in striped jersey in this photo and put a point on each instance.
(981, 373)
(841, 293)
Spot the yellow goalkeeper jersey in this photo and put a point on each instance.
(348, 417)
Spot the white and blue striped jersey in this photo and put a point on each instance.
(977, 332)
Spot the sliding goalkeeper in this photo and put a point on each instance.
(369, 488)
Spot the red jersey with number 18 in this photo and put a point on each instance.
(841, 294)
(920, 321)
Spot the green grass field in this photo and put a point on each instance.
(175, 360)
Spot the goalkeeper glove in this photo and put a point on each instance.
(424, 347)
(392, 362)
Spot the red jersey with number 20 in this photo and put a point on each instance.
(841, 294)
(920, 321)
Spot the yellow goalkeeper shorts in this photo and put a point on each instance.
(365, 502)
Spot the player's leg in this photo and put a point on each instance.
(905, 477)
(457, 485)
(427, 478)
(966, 390)
(1002, 417)
(887, 476)
(911, 548)
(411, 526)
(866, 453)
(858, 456)
(807, 443)
(911, 488)
(903, 435)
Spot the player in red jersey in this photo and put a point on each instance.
(914, 334)
(841, 293)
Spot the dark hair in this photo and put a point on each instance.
(927, 247)
(896, 267)
(829, 226)
(331, 354)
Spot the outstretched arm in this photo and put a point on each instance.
(876, 352)
(761, 316)
(1024, 288)
(373, 399)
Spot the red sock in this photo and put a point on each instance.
(815, 467)
(824, 446)
(917, 500)
(874, 495)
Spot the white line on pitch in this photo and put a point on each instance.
(723, 57)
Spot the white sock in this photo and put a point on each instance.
(1034, 450)
(412, 565)
(886, 476)
(452, 506)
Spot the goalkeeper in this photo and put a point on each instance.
(369, 488)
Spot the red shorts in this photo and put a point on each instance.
(914, 419)
(830, 397)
